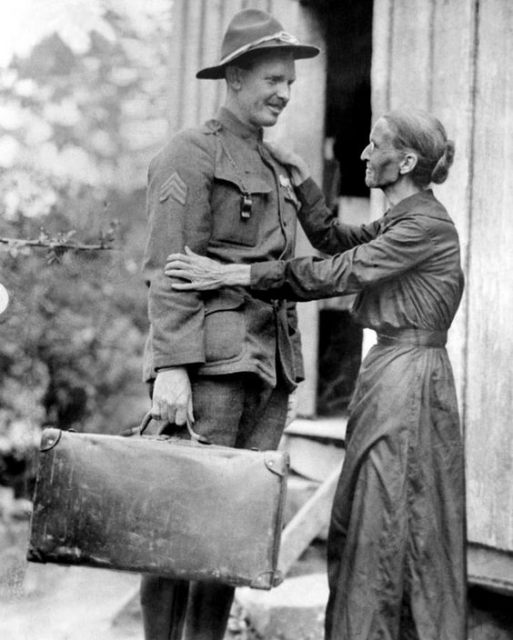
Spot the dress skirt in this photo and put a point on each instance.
(396, 547)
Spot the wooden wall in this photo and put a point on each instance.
(197, 33)
(453, 57)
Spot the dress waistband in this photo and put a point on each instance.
(414, 337)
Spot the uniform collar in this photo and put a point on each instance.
(229, 120)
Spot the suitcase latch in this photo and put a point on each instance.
(275, 464)
(49, 439)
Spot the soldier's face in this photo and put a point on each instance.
(265, 90)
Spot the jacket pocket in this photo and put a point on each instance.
(229, 223)
(224, 326)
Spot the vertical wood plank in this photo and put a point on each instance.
(213, 26)
(197, 33)
(411, 61)
(453, 88)
(490, 329)
(402, 33)
(192, 39)
(382, 48)
(176, 79)
(382, 21)
(263, 5)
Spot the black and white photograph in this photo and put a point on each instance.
(256, 320)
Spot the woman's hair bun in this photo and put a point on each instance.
(441, 169)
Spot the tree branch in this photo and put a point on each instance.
(55, 244)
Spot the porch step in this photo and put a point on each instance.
(292, 611)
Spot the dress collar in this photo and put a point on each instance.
(422, 202)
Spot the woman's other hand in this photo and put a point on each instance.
(298, 168)
(204, 274)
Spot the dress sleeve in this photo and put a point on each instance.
(404, 245)
(178, 208)
(322, 226)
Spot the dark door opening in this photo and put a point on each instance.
(347, 26)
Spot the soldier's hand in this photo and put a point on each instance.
(172, 397)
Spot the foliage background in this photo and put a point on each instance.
(83, 100)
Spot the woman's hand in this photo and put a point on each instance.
(204, 274)
(298, 167)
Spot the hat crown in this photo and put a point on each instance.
(253, 29)
(246, 27)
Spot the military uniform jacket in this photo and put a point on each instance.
(217, 190)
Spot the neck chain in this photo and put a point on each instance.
(246, 205)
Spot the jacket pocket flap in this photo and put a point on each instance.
(252, 184)
(223, 301)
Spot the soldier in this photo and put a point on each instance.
(226, 360)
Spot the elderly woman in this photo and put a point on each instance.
(396, 547)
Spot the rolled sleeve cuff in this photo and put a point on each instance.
(309, 194)
(267, 275)
(178, 360)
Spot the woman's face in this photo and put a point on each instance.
(382, 158)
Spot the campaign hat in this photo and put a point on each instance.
(251, 30)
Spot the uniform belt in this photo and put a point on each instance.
(414, 337)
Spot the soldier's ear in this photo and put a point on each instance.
(233, 76)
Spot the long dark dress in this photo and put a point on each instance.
(396, 548)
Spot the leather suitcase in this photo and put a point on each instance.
(159, 505)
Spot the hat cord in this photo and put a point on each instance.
(281, 36)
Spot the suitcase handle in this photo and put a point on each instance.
(196, 437)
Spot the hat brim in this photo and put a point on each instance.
(299, 52)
